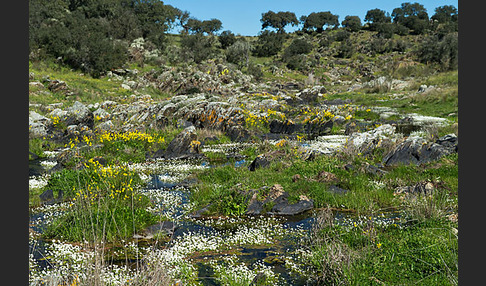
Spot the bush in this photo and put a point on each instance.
(227, 38)
(239, 53)
(346, 49)
(294, 54)
(197, 47)
(441, 51)
(255, 71)
(297, 47)
(342, 35)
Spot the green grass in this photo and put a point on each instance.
(367, 192)
(424, 253)
(104, 204)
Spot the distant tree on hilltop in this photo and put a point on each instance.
(318, 20)
(278, 20)
(352, 23)
(375, 17)
(413, 16)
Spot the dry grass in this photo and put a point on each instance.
(331, 256)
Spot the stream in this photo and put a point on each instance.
(271, 243)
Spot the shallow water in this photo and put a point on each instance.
(276, 238)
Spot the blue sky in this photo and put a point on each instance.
(243, 16)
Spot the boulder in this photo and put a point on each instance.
(36, 117)
(318, 129)
(310, 95)
(278, 198)
(237, 133)
(326, 177)
(336, 190)
(46, 196)
(286, 127)
(58, 86)
(105, 126)
(264, 160)
(421, 188)
(37, 129)
(78, 113)
(260, 162)
(184, 145)
(416, 150)
(101, 114)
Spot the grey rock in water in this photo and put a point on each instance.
(161, 228)
(278, 198)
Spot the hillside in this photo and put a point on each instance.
(307, 158)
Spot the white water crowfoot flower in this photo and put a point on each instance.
(69, 263)
(48, 164)
(229, 271)
(38, 182)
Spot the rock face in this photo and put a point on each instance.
(182, 146)
(416, 150)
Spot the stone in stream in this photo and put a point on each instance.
(162, 228)
(264, 160)
(278, 199)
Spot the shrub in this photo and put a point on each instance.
(268, 44)
(197, 47)
(441, 51)
(294, 54)
(226, 38)
(255, 70)
(239, 53)
(346, 49)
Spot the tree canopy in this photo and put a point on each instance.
(278, 20)
(353, 23)
(317, 21)
(411, 15)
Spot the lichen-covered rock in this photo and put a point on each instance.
(79, 113)
(185, 144)
(416, 150)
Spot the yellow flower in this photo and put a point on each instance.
(378, 245)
